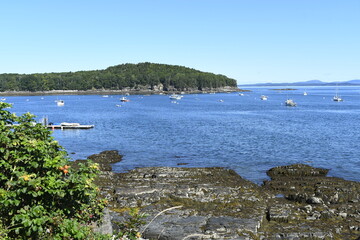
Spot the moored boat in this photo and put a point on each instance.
(124, 99)
(290, 103)
(175, 97)
(60, 102)
(337, 98)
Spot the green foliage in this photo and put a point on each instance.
(41, 196)
(130, 228)
(4, 232)
(118, 77)
(70, 229)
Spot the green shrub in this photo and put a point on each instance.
(41, 196)
(130, 227)
(3, 232)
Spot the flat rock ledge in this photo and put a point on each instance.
(299, 202)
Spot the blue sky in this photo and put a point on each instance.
(251, 41)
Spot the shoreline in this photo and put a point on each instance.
(119, 92)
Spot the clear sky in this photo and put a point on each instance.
(252, 41)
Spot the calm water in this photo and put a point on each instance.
(242, 132)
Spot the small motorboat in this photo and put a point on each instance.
(60, 103)
(263, 97)
(124, 99)
(175, 97)
(290, 103)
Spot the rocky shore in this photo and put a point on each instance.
(299, 202)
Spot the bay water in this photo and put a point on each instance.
(228, 130)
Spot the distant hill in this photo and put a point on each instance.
(309, 83)
(355, 81)
(130, 77)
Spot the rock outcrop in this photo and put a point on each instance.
(299, 202)
(313, 205)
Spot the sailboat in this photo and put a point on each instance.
(337, 98)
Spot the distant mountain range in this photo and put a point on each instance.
(353, 82)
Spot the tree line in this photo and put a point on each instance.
(133, 76)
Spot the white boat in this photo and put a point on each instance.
(60, 102)
(175, 97)
(290, 103)
(124, 99)
(305, 93)
(337, 98)
(241, 94)
(263, 97)
(105, 96)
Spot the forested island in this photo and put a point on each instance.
(132, 77)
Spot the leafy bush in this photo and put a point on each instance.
(41, 196)
(3, 232)
(130, 227)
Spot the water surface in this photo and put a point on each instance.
(243, 133)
